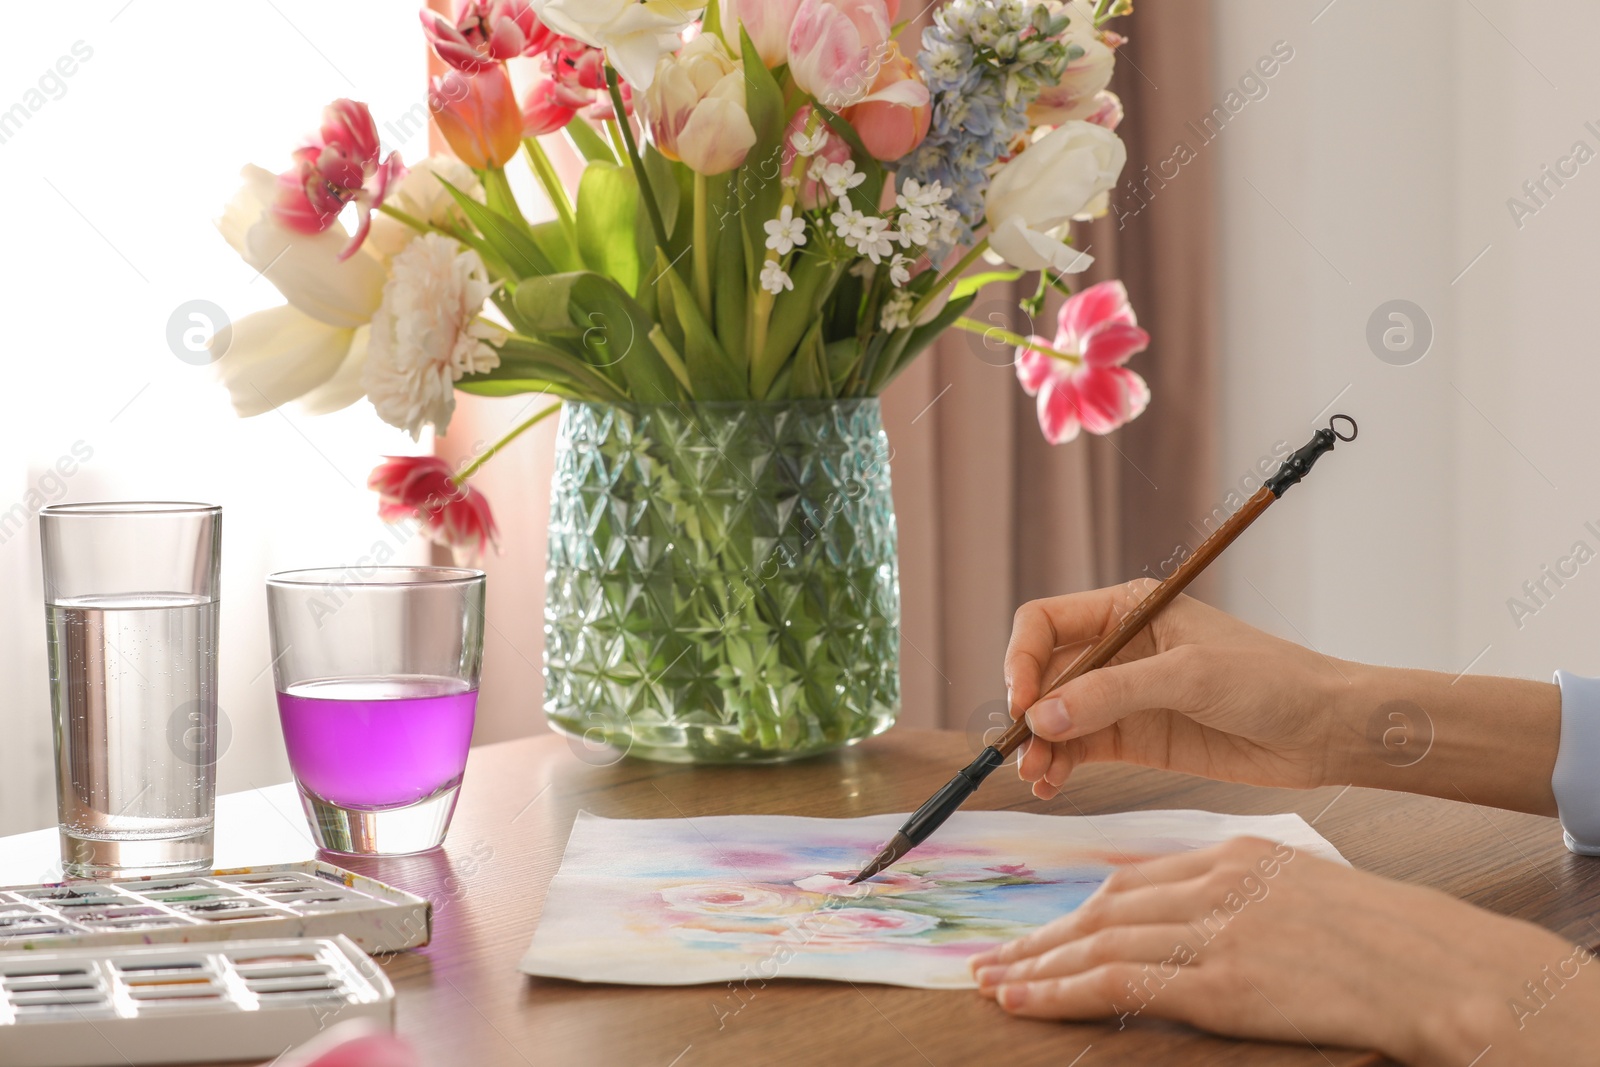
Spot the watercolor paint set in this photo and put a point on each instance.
(158, 1004)
(308, 899)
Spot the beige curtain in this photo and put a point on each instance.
(989, 515)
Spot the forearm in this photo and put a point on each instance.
(1477, 738)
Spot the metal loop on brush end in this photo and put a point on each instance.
(1333, 427)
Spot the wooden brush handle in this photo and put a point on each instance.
(1162, 595)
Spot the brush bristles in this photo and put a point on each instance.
(898, 846)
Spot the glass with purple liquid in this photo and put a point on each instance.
(376, 672)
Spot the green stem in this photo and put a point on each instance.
(614, 135)
(1000, 333)
(702, 246)
(652, 208)
(946, 278)
(545, 171)
(461, 476)
(411, 220)
(761, 315)
(498, 196)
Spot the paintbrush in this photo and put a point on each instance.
(939, 807)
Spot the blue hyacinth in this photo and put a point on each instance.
(984, 62)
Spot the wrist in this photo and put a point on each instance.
(1478, 738)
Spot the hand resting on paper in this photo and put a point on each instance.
(1254, 939)
(1248, 938)
(1201, 692)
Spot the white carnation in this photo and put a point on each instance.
(427, 333)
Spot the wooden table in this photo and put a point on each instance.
(463, 1002)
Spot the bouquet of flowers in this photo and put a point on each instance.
(774, 203)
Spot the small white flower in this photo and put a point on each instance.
(785, 231)
(896, 313)
(877, 243)
(809, 146)
(773, 278)
(899, 270)
(851, 225)
(915, 230)
(427, 333)
(840, 178)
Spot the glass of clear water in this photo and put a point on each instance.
(376, 670)
(130, 592)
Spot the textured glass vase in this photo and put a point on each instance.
(723, 582)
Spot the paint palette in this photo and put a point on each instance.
(310, 899)
(150, 1004)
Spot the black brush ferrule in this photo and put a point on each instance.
(939, 807)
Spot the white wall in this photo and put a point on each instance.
(1378, 167)
(109, 189)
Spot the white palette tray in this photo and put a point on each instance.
(310, 899)
(150, 1004)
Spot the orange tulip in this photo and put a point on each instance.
(478, 115)
(893, 118)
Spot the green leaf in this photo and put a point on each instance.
(810, 379)
(509, 239)
(551, 237)
(608, 206)
(715, 376)
(731, 296)
(666, 179)
(840, 357)
(525, 359)
(763, 99)
(918, 339)
(590, 145)
(793, 313)
(973, 282)
(604, 325)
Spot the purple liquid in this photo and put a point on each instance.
(377, 742)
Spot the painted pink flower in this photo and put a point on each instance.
(337, 167)
(1091, 390)
(837, 883)
(835, 46)
(422, 489)
(722, 899)
(853, 926)
(486, 32)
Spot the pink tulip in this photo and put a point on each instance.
(766, 21)
(835, 149)
(422, 489)
(893, 118)
(549, 106)
(486, 32)
(478, 115)
(339, 166)
(835, 47)
(1095, 393)
(1076, 94)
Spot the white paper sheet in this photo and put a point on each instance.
(739, 897)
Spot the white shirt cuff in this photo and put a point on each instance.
(1576, 781)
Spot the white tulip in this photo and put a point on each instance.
(279, 355)
(634, 33)
(1056, 178)
(305, 267)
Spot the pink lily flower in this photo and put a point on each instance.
(422, 489)
(1090, 390)
(486, 32)
(337, 167)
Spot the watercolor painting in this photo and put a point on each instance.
(735, 897)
